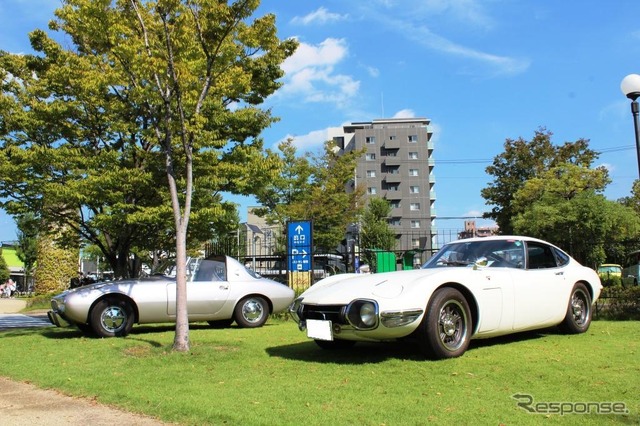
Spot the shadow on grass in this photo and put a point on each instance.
(405, 349)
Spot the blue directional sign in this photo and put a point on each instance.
(299, 246)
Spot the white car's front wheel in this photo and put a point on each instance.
(445, 331)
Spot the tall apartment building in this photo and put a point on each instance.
(398, 166)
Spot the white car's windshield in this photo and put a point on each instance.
(492, 253)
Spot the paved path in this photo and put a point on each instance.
(10, 321)
(11, 306)
(22, 404)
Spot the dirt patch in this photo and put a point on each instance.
(25, 404)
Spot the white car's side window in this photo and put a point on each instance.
(540, 256)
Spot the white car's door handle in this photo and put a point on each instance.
(224, 286)
(559, 273)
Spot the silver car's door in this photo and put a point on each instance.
(207, 291)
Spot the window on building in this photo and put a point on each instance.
(413, 155)
(415, 224)
(414, 189)
(413, 172)
(392, 138)
(393, 187)
(413, 138)
(395, 221)
(371, 173)
(370, 139)
(370, 157)
(371, 190)
(414, 206)
(415, 242)
(395, 204)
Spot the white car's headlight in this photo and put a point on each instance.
(294, 308)
(363, 314)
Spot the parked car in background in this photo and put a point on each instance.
(607, 270)
(610, 274)
(473, 288)
(220, 291)
(631, 269)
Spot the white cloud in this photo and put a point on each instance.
(320, 16)
(501, 65)
(313, 140)
(405, 113)
(466, 12)
(311, 75)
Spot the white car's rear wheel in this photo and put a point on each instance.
(578, 316)
(445, 331)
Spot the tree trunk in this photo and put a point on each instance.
(181, 340)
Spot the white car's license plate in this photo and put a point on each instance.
(319, 329)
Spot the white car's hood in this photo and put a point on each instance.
(344, 288)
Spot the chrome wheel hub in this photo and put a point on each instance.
(252, 311)
(113, 318)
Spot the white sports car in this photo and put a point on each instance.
(220, 290)
(470, 289)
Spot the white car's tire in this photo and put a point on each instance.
(578, 318)
(445, 331)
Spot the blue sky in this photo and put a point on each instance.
(482, 71)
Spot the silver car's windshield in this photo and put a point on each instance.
(491, 253)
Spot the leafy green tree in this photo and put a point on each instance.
(4, 269)
(158, 90)
(633, 201)
(375, 232)
(521, 161)
(27, 248)
(314, 188)
(565, 206)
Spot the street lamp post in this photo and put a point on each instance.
(630, 86)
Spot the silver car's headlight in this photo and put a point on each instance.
(363, 314)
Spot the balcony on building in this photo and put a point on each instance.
(393, 178)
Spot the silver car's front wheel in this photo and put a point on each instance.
(112, 318)
(251, 311)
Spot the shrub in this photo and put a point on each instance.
(611, 281)
(619, 303)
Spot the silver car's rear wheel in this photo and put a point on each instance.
(251, 311)
(112, 318)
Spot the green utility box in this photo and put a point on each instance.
(407, 260)
(385, 261)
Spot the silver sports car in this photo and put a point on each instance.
(220, 290)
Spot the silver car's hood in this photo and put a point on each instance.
(342, 289)
(116, 284)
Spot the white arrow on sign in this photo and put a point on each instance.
(299, 229)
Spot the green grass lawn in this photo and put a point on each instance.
(274, 375)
